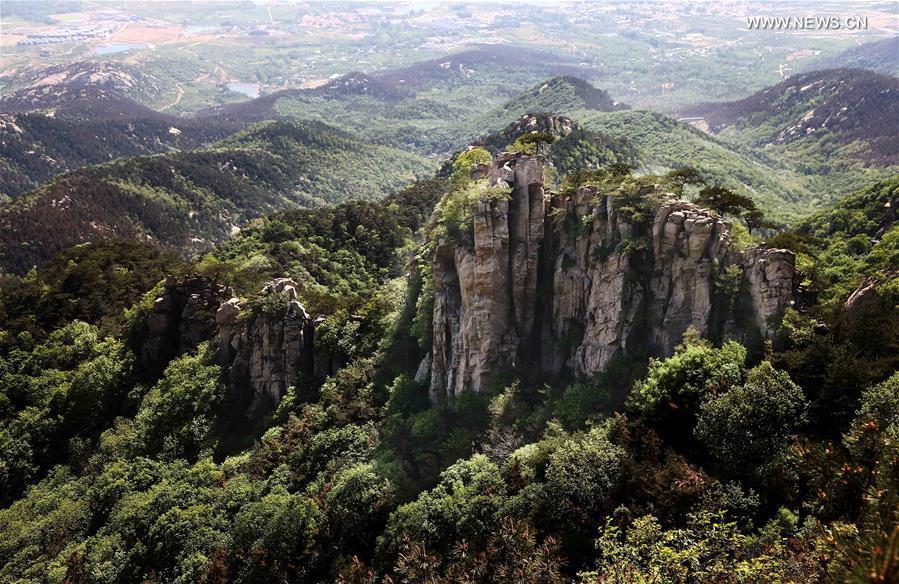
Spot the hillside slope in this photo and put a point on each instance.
(428, 107)
(35, 146)
(665, 143)
(880, 56)
(66, 117)
(828, 111)
(838, 130)
(188, 201)
(31, 89)
(489, 408)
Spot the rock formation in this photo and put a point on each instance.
(565, 284)
(262, 351)
(182, 317)
(268, 351)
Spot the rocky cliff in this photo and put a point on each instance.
(182, 317)
(567, 283)
(263, 350)
(269, 350)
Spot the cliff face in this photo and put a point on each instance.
(262, 352)
(266, 352)
(182, 317)
(566, 284)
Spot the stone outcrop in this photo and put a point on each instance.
(182, 317)
(869, 298)
(566, 284)
(268, 350)
(262, 352)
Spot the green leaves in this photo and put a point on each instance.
(679, 383)
(456, 209)
(749, 426)
(177, 417)
(582, 475)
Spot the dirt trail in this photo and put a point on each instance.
(177, 98)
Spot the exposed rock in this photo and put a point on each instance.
(262, 353)
(566, 284)
(183, 316)
(768, 280)
(486, 293)
(869, 298)
(424, 369)
(266, 352)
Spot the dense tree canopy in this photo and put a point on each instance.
(712, 464)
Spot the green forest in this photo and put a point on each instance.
(715, 464)
(448, 293)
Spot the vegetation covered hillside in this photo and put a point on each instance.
(837, 129)
(661, 143)
(34, 147)
(878, 56)
(449, 292)
(386, 110)
(68, 117)
(565, 145)
(56, 86)
(188, 201)
(563, 95)
(715, 464)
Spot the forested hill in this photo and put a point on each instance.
(879, 56)
(260, 355)
(831, 108)
(275, 411)
(35, 146)
(66, 117)
(59, 86)
(188, 201)
(834, 131)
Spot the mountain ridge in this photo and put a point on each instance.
(190, 200)
(847, 105)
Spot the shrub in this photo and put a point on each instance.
(750, 425)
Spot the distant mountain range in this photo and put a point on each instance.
(486, 64)
(182, 182)
(67, 84)
(66, 117)
(832, 108)
(837, 130)
(879, 56)
(188, 201)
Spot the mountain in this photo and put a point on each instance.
(879, 56)
(35, 146)
(187, 201)
(327, 397)
(563, 95)
(344, 87)
(497, 64)
(33, 89)
(428, 105)
(663, 143)
(831, 110)
(363, 105)
(67, 117)
(838, 130)
(556, 297)
(572, 149)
